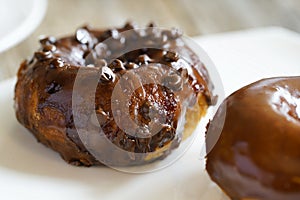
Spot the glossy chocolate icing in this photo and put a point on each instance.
(45, 85)
(257, 155)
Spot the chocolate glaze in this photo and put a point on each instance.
(257, 155)
(43, 94)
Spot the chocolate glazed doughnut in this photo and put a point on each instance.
(43, 93)
(257, 155)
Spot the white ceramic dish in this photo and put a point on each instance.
(18, 19)
(28, 170)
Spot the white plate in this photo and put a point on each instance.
(28, 170)
(18, 19)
